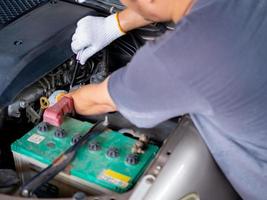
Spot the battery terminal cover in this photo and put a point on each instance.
(54, 115)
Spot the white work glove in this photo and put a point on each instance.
(93, 34)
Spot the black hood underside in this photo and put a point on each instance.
(35, 43)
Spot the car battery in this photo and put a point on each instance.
(104, 164)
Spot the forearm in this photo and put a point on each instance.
(130, 20)
(101, 101)
(93, 99)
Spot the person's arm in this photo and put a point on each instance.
(129, 20)
(92, 99)
(94, 33)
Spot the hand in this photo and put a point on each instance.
(93, 34)
(92, 99)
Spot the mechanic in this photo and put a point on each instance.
(212, 67)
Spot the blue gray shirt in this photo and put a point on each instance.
(214, 67)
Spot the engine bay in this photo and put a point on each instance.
(25, 112)
(35, 98)
(124, 161)
(112, 153)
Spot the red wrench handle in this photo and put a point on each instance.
(54, 115)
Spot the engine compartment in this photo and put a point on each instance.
(39, 65)
(23, 110)
(27, 109)
(34, 99)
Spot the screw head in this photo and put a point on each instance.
(113, 152)
(60, 133)
(132, 159)
(18, 42)
(94, 146)
(42, 127)
(76, 138)
(79, 196)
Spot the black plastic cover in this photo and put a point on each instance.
(35, 44)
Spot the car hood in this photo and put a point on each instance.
(36, 43)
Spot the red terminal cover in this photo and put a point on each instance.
(54, 115)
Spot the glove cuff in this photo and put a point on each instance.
(113, 25)
(119, 24)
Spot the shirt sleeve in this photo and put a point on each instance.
(163, 78)
(146, 93)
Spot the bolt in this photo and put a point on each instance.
(22, 104)
(132, 159)
(60, 133)
(42, 127)
(76, 138)
(94, 146)
(113, 152)
(18, 42)
(150, 180)
(79, 196)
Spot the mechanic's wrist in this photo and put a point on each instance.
(119, 23)
(99, 98)
(113, 27)
(129, 20)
